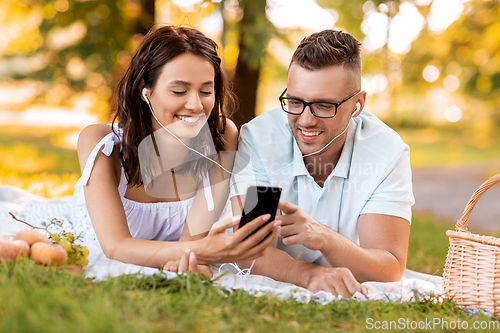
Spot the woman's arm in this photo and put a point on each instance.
(106, 209)
(110, 224)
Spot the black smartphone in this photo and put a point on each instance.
(260, 200)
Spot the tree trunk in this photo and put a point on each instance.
(147, 18)
(246, 82)
(253, 39)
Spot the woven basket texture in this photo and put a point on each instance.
(472, 269)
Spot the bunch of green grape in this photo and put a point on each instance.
(77, 254)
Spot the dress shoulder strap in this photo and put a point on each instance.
(208, 191)
(107, 144)
(208, 188)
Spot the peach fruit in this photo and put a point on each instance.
(48, 254)
(32, 236)
(13, 249)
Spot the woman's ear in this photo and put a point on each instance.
(143, 91)
(144, 95)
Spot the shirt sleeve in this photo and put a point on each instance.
(248, 168)
(394, 195)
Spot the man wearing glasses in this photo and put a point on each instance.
(345, 176)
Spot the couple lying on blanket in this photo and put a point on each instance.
(157, 181)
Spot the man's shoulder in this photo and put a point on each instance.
(272, 118)
(271, 124)
(377, 137)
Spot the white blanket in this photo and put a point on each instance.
(37, 210)
(413, 286)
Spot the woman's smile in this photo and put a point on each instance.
(189, 120)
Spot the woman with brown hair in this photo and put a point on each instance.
(160, 182)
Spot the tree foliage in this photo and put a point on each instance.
(83, 46)
(80, 45)
(469, 49)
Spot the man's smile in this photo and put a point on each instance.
(309, 135)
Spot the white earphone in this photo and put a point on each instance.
(358, 106)
(144, 91)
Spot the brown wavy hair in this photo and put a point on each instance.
(132, 114)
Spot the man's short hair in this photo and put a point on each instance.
(328, 48)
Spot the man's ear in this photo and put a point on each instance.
(361, 102)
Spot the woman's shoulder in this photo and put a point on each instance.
(231, 135)
(89, 138)
(91, 135)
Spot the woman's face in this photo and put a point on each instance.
(184, 95)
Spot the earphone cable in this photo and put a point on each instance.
(223, 168)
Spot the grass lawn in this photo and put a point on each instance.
(431, 147)
(32, 159)
(40, 299)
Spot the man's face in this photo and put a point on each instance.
(330, 84)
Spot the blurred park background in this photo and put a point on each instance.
(431, 69)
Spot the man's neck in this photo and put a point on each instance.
(321, 166)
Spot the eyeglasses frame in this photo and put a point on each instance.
(309, 104)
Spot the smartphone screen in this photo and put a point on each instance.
(260, 200)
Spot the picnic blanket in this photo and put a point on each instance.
(37, 211)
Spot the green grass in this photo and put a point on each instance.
(428, 245)
(32, 159)
(41, 299)
(34, 298)
(433, 147)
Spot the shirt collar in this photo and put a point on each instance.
(299, 168)
(344, 163)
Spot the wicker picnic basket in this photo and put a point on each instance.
(472, 270)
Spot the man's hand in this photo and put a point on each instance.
(299, 228)
(338, 281)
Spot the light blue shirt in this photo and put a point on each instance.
(372, 176)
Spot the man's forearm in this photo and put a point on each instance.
(381, 255)
(365, 264)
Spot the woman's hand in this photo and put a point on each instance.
(219, 246)
(188, 262)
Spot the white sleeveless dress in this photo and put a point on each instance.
(153, 221)
(161, 221)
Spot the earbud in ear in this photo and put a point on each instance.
(358, 106)
(144, 91)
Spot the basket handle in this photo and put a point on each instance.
(461, 224)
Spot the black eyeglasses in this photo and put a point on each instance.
(318, 109)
